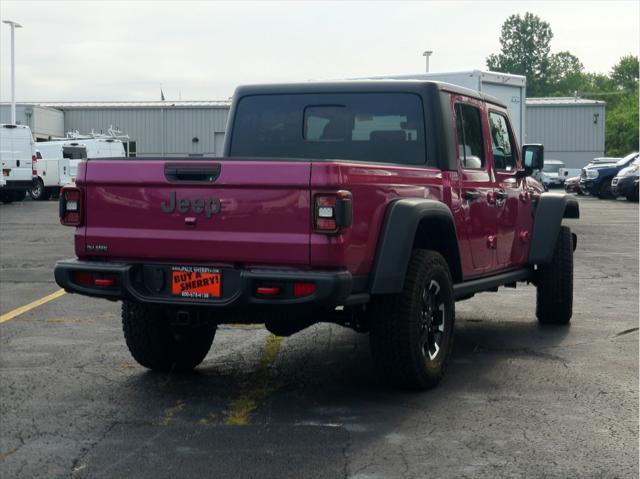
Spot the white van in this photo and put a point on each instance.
(54, 167)
(17, 154)
(97, 146)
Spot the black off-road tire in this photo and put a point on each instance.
(605, 192)
(157, 345)
(396, 323)
(38, 192)
(554, 281)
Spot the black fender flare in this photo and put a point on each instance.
(548, 214)
(397, 237)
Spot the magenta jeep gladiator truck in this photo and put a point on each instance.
(372, 204)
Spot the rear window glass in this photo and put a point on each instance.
(377, 127)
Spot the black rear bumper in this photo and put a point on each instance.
(151, 284)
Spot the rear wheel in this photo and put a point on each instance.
(554, 281)
(605, 190)
(38, 192)
(412, 332)
(157, 342)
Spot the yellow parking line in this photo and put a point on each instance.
(30, 306)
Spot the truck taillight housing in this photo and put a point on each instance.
(34, 161)
(71, 206)
(332, 212)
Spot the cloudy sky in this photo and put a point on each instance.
(99, 50)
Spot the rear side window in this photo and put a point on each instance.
(470, 142)
(74, 152)
(504, 157)
(375, 127)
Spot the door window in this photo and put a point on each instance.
(504, 156)
(470, 143)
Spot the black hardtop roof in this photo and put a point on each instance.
(369, 86)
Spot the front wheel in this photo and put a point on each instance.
(38, 192)
(157, 342)
(554, 281)
(412, 332)
(605, 192)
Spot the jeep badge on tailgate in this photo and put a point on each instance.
(197, 205)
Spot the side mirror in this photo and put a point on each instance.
(533, 157)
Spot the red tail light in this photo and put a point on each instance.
(34, 160)
(303, 289)
(332, 212)
(71, 206)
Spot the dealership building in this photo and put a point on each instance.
(571, 129)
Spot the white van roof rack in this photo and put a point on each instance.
(112, 134)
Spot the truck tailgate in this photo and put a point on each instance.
(207, 211)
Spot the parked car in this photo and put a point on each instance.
(549, 175)
(572, 185)
(596, 179)
(566, 173)
(332, 203)
(17, 155)
(625, 183)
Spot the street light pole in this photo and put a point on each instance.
(427, 54)
(13, 25)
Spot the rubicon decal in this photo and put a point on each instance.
(209, 206)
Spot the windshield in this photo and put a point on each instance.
(380, 127)
(626, 160)
(552, 167)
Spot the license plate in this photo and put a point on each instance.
(197, 282)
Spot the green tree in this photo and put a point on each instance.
(524, 50)
(621, 130)
(621, 95)
(565, 75)
(625, 73)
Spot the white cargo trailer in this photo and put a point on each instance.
(511, 89)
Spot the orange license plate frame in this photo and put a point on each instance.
(198, 282)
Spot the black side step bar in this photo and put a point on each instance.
(468, 288)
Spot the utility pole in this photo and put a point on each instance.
(13, 25)
(427, 54)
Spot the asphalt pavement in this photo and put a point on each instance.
(518, 400)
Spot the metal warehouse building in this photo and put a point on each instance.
(155, 128)
(571, 129)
